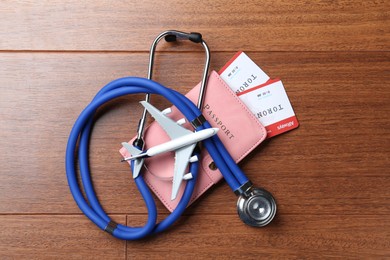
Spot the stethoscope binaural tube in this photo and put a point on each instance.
(172, 36)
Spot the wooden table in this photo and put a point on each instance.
(330, 176)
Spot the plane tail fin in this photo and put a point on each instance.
(138, 163)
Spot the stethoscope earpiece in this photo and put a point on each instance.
(172, 36)
(256, 207)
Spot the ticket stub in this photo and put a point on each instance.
(265, 97)
(241, 73)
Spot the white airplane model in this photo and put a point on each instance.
(183, 143)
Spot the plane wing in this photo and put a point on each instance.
(172, 129)
(182, 157)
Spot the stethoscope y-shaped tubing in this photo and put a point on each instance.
(82, 128)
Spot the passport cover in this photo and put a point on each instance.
(240, 132)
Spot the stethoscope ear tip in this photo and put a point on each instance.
(170, 38)
(257, 207)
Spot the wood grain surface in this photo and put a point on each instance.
(330, 176)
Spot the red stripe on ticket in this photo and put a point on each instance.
(282, 126)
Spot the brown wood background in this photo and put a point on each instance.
(330, 176)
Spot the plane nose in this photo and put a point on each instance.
(215, 130)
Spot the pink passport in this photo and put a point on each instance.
(239, 131)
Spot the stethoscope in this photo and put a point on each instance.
(256, 206)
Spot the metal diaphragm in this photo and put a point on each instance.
(257, 207)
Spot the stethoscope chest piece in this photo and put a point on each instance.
(256, 207)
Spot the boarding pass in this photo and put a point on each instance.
(266, 98)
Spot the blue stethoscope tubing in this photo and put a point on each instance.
(81, 132)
